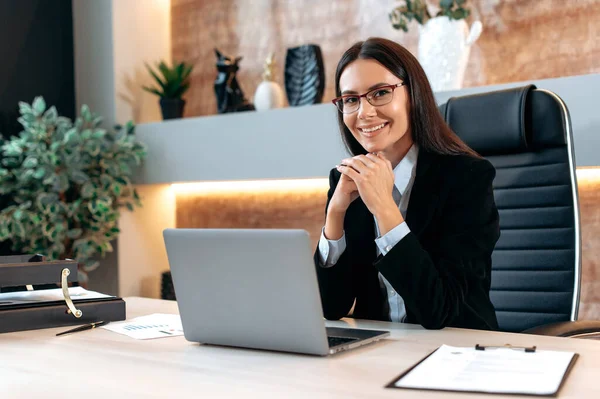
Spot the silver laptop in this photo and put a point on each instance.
(253, 288)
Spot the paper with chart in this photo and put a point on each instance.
(157, 325)
(499, 370)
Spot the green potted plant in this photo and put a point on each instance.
(64, 184)
(419, 10)
(172, 84)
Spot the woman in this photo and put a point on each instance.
(410, 220)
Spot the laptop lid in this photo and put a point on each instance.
(254, 288)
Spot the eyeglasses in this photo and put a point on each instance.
(377, 97)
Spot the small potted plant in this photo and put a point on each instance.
(444, 38)
(421, 11)
(173, 83)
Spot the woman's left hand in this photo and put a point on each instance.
(374, 178)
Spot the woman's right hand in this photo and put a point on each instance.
(345, 192)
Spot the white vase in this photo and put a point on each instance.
(444, 48)
(268, 95)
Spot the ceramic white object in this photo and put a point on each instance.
(268, 95)
(444, 48)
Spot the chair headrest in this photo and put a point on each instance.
(493, 122)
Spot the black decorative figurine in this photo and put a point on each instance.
(304, 75)
(230, 97)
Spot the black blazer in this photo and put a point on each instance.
(442, 268)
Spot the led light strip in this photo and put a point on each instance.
(252, 186)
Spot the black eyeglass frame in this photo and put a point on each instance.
(365, 95)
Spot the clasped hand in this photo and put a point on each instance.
(369, 176)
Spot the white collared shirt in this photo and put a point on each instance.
(330, 251)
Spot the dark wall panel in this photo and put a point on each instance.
(36, 57)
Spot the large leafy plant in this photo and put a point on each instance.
(65, 183)
(420, 12)
(174, 81)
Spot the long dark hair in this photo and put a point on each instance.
(429, 130)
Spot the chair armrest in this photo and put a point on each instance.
(572, 329)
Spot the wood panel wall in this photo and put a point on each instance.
(522, 39)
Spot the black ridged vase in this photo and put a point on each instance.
(172, 108)
(304, 75)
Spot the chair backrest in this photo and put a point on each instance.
(526, 134)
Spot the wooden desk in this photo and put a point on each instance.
(102, 364)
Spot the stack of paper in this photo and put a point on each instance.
(55, 294)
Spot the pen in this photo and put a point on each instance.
(83, 328)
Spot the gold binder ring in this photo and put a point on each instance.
(65, 289)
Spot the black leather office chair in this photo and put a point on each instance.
(536, 265)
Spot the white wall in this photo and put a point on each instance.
(142, 256)
(113, 40)
(142, 32)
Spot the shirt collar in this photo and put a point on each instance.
(404, 171)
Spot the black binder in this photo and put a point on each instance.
(24, 270)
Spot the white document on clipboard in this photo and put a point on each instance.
(490, 370)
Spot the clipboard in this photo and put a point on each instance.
(506, 370)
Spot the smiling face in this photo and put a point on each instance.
(385, 128)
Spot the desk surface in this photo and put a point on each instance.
(100, 363)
